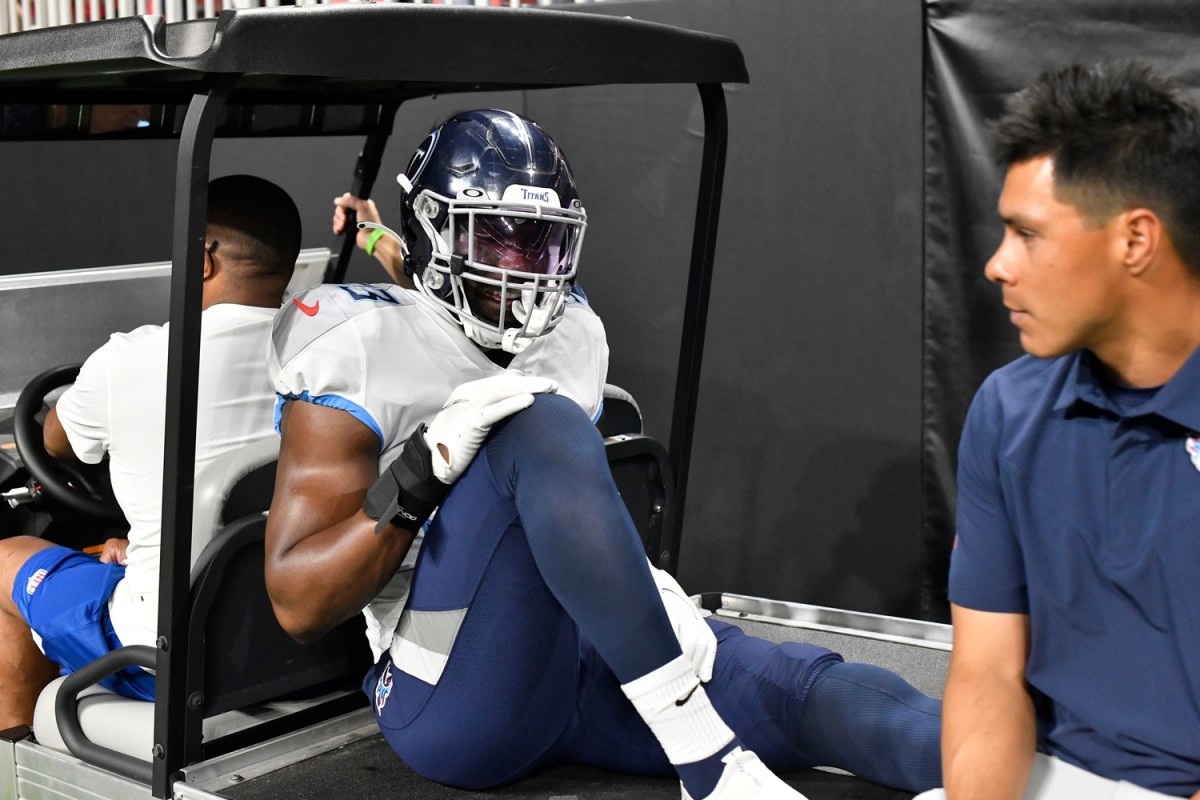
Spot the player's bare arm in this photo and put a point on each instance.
(324, 560)
(55, 438)
(988, 727)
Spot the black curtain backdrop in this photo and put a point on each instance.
(977, 53)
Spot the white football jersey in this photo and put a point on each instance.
(390, 357)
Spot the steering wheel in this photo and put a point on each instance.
(80, 487)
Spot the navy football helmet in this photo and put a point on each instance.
(492, 226)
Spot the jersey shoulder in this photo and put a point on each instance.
(324, 310)
(138, 337)
(577, 300)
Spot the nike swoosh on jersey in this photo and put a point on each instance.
(309, 310)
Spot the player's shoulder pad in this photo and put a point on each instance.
(315, 312)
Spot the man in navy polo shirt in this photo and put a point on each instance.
(1075, 579)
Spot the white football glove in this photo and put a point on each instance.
(696, 639)
(455, 434)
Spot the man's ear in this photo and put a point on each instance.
(1141, 233)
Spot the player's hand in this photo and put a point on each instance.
(696, 639)
(455, 434)
(113, 551)
(364, 211)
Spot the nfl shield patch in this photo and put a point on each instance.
(1192, 445)
(35, 580)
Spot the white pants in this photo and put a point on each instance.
(1054, 779)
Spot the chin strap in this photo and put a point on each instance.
(513, 342)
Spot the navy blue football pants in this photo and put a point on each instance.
(523, 537)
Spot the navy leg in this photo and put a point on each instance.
(532, 541)
(551, 460)
(871, 722)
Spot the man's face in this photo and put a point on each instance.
(517, 245)
(1061, 275)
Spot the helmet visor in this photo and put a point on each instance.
(521, 244)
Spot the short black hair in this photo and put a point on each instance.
(264, 217)
(1120, 136)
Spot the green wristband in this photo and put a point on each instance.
(372, 239)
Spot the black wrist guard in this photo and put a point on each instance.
(407, 492)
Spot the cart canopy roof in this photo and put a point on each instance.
(332, 56)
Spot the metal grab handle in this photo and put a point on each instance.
(66, 710)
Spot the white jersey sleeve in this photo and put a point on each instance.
(325, 349)
(84, 408)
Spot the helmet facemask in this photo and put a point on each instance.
(503, 269)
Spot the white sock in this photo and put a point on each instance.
(675, 706)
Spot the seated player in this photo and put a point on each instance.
(60, 608)
(525, 628)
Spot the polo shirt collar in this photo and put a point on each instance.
(1178, 400)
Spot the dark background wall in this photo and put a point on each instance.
(806, 472)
